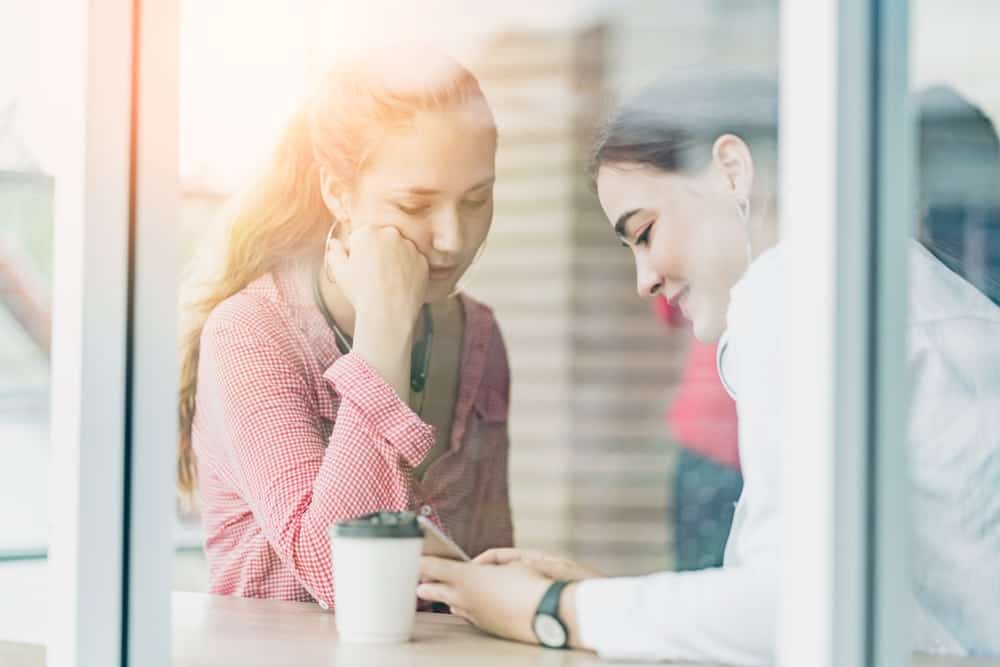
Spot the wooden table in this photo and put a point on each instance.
(212, 631)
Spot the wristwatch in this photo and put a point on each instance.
(549, 629)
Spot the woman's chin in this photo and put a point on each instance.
(439, 291)
(707, 329)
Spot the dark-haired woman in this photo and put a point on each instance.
(685, 175)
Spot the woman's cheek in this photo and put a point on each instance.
(666, 262)
(479, 229)
(416, 229)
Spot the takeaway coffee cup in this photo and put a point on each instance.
(376, 562)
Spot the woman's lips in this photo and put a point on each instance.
(683, 301)
(441, 272)
(679, 296)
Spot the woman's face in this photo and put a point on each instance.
(686, 235)
(432, 179)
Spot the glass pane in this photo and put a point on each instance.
(596, 469)
(955, 328)
(26, 196)
(622, 439)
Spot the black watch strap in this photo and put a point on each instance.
(549, 605)
(550, 601)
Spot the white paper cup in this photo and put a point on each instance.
(376, 563)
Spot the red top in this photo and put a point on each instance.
(702, 417)
(291, 437)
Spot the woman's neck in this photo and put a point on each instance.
(337, 304)
(764, 231)
(342, 311)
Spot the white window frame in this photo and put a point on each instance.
(845, 190)
(113, 70)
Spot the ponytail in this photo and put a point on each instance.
(283, 213)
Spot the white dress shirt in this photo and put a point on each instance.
(728, 614)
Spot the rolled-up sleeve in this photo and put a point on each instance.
(372, 402)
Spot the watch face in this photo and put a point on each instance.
(550, 631)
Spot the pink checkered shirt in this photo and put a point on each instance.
(291, 437)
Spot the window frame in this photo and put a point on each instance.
(845, 183)
(114, 365)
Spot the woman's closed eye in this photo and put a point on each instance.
(477, 197)
(643, 237)
(477, 202)
(412, 208)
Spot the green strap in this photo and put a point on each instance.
(550, 601)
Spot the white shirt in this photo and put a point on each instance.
(728, 614)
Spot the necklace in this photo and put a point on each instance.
(420, 355)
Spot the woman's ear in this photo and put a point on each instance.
(732, 156)
(329, 188)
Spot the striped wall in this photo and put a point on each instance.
(592, 369)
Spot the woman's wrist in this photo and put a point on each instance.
(387, 352)
(568, 616)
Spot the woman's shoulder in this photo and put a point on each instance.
(485, 330)
(258, 310)
(755, 301)
(754, 326)
(484, 333)
(765, 271)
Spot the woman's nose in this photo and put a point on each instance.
(447, 234)
(648, 281)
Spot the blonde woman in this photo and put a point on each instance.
(332, 369)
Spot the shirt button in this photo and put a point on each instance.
(323, 605)
(426, 510)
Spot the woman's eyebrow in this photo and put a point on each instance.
(419, 191)
(429, 192)
(482, 184)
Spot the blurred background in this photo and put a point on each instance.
(623, 446)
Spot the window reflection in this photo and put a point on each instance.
(26, 200)
(954, 460)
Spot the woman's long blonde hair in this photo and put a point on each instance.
(283, 217)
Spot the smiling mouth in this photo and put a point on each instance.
(675, 300)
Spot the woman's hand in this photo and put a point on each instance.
(498, 599)
(545, 564)
(384, 276)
